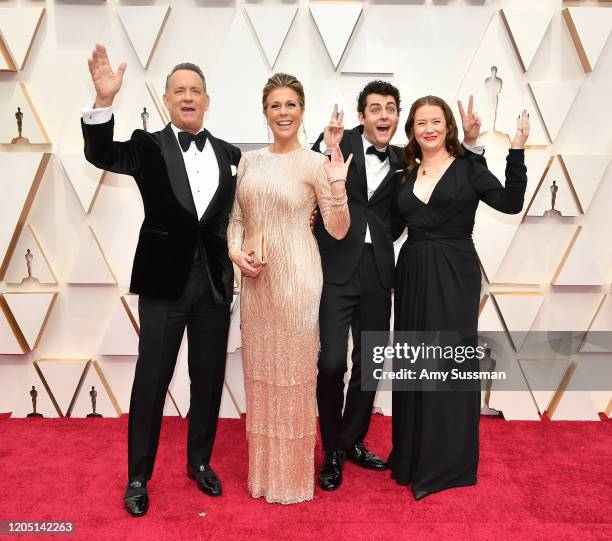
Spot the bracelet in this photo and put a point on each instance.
(338, 180)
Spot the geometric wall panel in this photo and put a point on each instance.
(565, 201)
(18, 29)
(12, 342)
(589, 28)
(585, 173)
(574, 406)
(515, 405)
(121, 337)
(31, 311)
(32, 127)
(526, 28)
(34, 389)
(158, 103)
(502, 92)
(489, 320)
(518, 310)
(17, 271)
(105, 402)
(19, 182)
(90, 265)
(544, 377)
(554, 101)
(143, 26)
(271, 24)
(63, 377)
(601, 327)
(578, 267)
(84, 178)
(494, 230)
(335, 23)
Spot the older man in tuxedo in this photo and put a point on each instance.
(181, 268)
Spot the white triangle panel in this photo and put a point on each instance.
(544, 377)
(554, 102)
(84, 177)
(17, 270)
(62, 376)
(143, 25)
(494, 230)
(500, 97)
(32, 127)
(271, 24)
(579, 267)
(589, 28)
(31, 311)
(19, 170)
(489, 319)
(104, 402)
(44, 404)
(336, 23)
(585, 172)
(565, 202)
(519, 311)
(598, 339)
(120, 337)
(18, 29)
(575, 406)
(527, 28)
(119, 372)
(515, 405)
(90, 266)
(9, 345)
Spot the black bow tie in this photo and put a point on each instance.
(382, 154)
(185, 138)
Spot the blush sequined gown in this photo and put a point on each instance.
(279, 312)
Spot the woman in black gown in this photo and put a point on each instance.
(435, 434)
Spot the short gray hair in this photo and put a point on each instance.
(186, 66)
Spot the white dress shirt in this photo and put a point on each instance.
(202, 167)
(376, 171)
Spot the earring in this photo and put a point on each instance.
(304, 132)
(268, 132)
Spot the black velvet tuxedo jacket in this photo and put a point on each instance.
(339, 258)
(171, 233)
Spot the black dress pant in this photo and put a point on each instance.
(362, 304)
(162, 325)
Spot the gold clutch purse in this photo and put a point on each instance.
(255, 245)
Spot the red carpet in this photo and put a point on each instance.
(536, 481)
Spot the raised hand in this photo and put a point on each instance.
(471, 122)
(522, 130)
(106, 82)
(334, 131)
(337, 170)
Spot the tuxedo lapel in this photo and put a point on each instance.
(225, 177)
(394, 165)
(175, 166)
(358, 162)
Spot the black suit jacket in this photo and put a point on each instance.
(171, 233)
(339, 258)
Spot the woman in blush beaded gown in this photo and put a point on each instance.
(271, 242)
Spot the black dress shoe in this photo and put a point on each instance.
(136, 498)
(205, 478)
(330, 476)
(358, 454)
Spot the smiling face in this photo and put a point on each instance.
(284, 113)
(430, 127)
(379, 119)
(186, 100)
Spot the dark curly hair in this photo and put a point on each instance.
(412, 151)
(377, 87)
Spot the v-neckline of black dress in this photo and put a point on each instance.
(434, 188)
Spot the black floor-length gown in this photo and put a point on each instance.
(435, 433)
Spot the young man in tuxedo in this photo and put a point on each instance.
(359, 271)
(181, 270)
